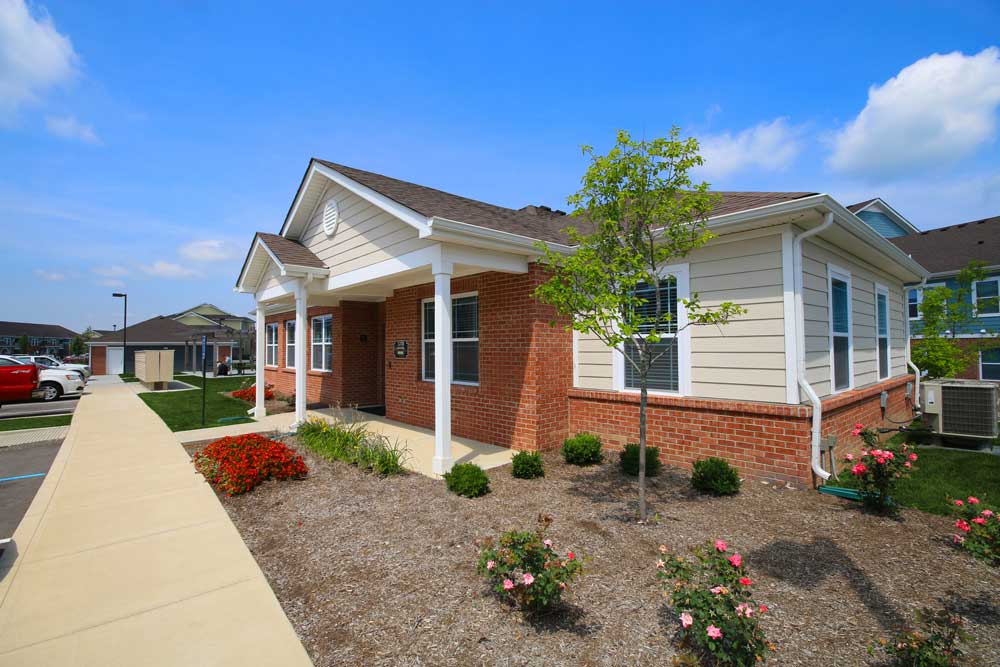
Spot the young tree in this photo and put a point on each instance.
(88, 333)
(24, 345)
(641, 212)
(945, 313)
(77, 347)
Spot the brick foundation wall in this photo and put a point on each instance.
(525, 366)
(766, 441)
(352, 380)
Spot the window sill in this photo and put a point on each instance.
(454, 382)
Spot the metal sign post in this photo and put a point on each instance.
(204, 354)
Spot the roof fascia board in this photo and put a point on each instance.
(454, 231)
(251, 256)
(391, 206)
(190, 313)
(954, 272)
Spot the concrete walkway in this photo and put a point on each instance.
(126, 557)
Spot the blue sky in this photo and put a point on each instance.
(142, 144)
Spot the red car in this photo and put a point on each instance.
(18, 380)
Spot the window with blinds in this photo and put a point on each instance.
(464, 339)
(840, 330)
(664, 374)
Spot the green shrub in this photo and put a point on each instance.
(978, 529)
(583, 449)
(714, 475)
(527, 465)
(524, 568)
(630, 460)
(467, 479)
(353, 443)
(934, 641)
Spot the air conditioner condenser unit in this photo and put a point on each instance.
(961, 408)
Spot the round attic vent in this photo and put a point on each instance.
(331, 216)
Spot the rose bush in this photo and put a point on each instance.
(878, 469)
(525, 568)
(978, 529)
(250, 394)
(719, 619)
(236, 464)
(936, 642)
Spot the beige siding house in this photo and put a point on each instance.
(382, 292)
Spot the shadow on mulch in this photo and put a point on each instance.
(806, 566)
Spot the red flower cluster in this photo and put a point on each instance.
(250, 394)
(236, 464)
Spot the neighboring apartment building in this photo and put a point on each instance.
(946, 251)
(206, 314)
(381, 292)
(50, 339)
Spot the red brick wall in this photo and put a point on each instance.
(352, 379)
(525, 366)
(763, 440)
(99, 359)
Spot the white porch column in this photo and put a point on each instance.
(301, 340)
(442, 373)
(259, 409)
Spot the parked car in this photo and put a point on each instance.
(51, 362)
(19, 381)
(58, 382)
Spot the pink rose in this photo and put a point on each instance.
(746, 581)
(859, 469)
(762, 609)
(744, 609)
(973, 500)
(849, 457)
(686, 620)
(508, 584)
(987, 513)
(663, 548)
(570, 555)
(718, 590)
(660, 564)
(528, 578)
(856, 432)
(912, 457)
(963, 525)
(713, 632)
(979, 521)
(562, 585)
(958, 503)
(547, 543)
(907, 465)
(957, 539)
(736, 560)
(490, 564)
(720, 545)
(859, 426)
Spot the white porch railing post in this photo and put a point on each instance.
(259, 409)
(442, 374)
(301, 339)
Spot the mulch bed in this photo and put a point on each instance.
(381, 571)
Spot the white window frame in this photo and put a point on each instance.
(981, 368)
(424, 340)
(290, 347)
(271, 344)
(975, 296)
(832, 272)
(680, 273)
(323, 344)
(884, 291)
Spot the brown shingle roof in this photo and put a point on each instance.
(161, 329)
(952, 248)
(854, 208)
(537, 222)
(31, 329)
(290, 252)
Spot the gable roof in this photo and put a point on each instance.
(951, 248)
(161, 329)
(854, 208)
(288, 251)
(31, 329)
(888, 211)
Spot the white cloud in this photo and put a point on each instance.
(769, 146)
(161, 269)
(110, 271)
(68, 127)
(111, 282)
(937, 110)
(211, 250)
(34, 56)
(52, 276)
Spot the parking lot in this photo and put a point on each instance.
(60, 406)
(16, 494)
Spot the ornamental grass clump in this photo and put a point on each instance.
(583, 449)
(978, 529)
(351, 442)
(237, 464)
(934, 641)
(524, 568)
(713, 597)
(878, 469)
(527, 465)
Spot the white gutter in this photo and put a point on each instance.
(800, 327)
(909, 361)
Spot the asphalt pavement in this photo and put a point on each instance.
(16, 494)
(60, 406)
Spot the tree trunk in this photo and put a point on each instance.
(642, 450)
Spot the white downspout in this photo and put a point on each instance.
(800, 329)
(909, 361)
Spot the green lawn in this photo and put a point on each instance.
(942, 474)
(18, 423)
(228, 383)
(128, 377)
(181, 410)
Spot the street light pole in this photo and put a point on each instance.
(122, 295)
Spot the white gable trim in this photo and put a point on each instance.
(893, 214)
(391, 206)
(192, 313)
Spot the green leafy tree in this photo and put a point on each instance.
(945, 314)
(23, 345)
(640, 212)
(88, 333)
(77, 347)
